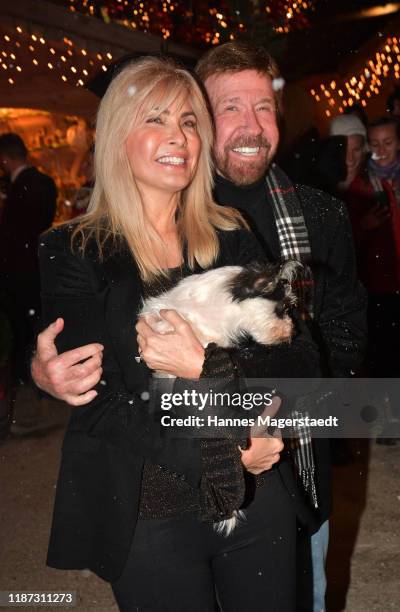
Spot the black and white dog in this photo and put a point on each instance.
(227, 304)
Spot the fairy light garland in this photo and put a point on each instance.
(190, 21)
(75, 65)
(385, 63)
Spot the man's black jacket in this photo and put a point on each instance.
(339, 325)
(29, 210)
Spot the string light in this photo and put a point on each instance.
(384, 63)
(49, 55)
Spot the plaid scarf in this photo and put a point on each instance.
(295, 244)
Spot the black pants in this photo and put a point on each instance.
(177, 565)
(22, 308)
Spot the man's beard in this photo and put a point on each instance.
(244, 172)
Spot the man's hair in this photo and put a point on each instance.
(384, 121)
(13, 146)
(238, 56)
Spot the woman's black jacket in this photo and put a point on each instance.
(108, 440)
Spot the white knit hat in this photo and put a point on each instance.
(347, 125)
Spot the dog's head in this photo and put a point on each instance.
(270, 281)
(270, 316)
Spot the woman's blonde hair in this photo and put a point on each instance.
(116, 208)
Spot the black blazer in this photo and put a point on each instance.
(108, 440)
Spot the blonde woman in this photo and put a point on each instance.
(131, 506)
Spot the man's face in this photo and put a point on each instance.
(247, 133)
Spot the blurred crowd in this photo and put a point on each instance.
(359, 163)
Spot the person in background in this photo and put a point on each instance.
(354, 131)
(371, 191)
(379, 235)
(29, 209)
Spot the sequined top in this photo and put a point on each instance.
(164, 493)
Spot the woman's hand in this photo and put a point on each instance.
(264, 450)
(177, 352)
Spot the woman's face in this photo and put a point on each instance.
(384, 144)
(355, 154)
(163, 150)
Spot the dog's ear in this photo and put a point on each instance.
(290, 270)
(254, 280)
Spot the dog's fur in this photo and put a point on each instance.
(227, 304)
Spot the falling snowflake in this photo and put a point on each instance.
(278, 84)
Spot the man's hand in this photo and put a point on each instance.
(65, 376)
(264, 449)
